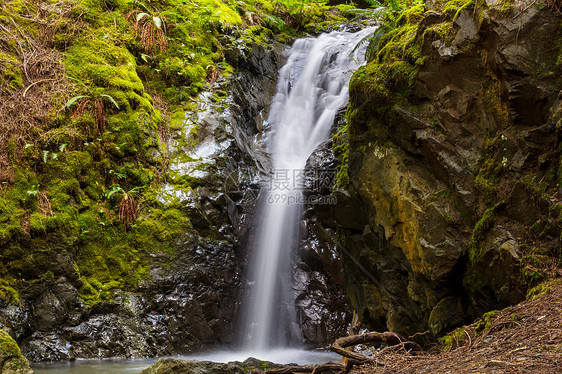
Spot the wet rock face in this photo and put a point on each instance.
(191, 300)
(440, 217)
(323, 310)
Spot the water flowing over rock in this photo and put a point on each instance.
(191, 300)
(312, 87)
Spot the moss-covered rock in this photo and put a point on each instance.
(446, 314)
(11, 359)
(94, 202)
(170, 365)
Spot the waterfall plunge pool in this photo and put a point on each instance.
(134, 366)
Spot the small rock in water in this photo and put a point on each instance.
(177, 366)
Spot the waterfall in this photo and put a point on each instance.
(312, 87)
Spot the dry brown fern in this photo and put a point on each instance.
(127, 210)
(151, 31)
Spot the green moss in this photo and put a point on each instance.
(492, 165)
(107, 254)
(507, 5)
(453, 339)
(16, 5)
(394, 65)
(541, 289)
(453, 8)
(65, 195)
(531, 273)
(8, 347)
(340, 142)
(8, 293)
(11, 77)
(538, 264)
(485, 322)
(110, 70)
(12, 359)
(481, 227)
(444, 31)
(256, 35)
(542, 186)
(295, 16)
(493, 99)
(494, 102)
(15, 202)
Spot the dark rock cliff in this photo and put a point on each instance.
(454, 198)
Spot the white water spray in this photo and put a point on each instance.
(312, 87)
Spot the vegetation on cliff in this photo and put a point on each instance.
(91, 93)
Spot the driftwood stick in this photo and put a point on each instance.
(387, 338)
(390, 339)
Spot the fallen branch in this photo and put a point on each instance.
(353, 330)
(387, 338)
(390, 339)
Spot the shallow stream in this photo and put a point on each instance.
(117, 366)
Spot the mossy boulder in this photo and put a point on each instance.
(11, 359)
(175, 366)
(445, 315)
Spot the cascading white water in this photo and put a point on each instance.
(312, 87)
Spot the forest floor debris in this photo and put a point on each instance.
(524, 338)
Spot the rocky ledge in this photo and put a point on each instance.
(177, 366)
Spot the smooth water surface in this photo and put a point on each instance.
(115, 366)
(278, 356)
(93, 366)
